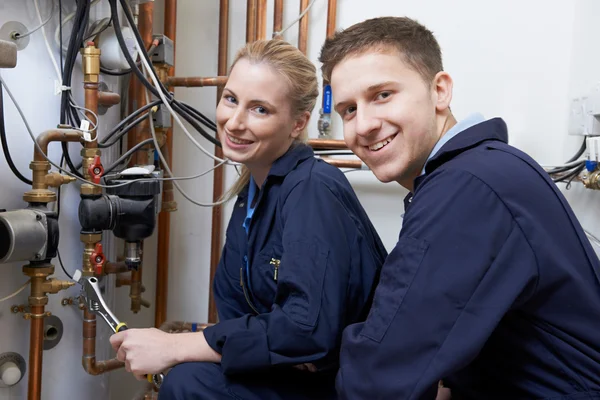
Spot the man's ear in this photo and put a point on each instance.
(301, 122)
(442, 86)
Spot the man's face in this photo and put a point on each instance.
(389, 113)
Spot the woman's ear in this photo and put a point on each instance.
(301, 122)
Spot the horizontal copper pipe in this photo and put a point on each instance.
(357, 164)
(331, 144)
(115, 268)
(54, 135)
(196, 81)
(108, 99)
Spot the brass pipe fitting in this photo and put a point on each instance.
(89, 247)
(40, 166)
(91, 63)
(592, 180)
(55, 179)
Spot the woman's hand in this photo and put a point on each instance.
(145, 351)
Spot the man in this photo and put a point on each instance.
(493, 286)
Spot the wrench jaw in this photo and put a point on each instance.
(95, 302)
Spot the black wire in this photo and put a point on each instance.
(127, 154)
(62, 265)
(5, 149)
(575, 157)
(61, 39)
(67, 112)
(105, 144)
(175, 104)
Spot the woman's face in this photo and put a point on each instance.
(255, 119)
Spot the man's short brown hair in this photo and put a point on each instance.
(415, 43)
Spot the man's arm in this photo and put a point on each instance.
(460, 264)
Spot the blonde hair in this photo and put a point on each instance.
(300, 74)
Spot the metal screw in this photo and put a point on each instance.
(99, 259)
(96, 170)
(14, 309)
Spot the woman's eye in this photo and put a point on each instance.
(230, 99)
(261, 110)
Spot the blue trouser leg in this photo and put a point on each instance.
(204, 381)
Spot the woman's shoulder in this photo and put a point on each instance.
(315, 173)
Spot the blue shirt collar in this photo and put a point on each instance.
(472, 119)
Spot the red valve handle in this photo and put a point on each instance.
(96, 169)
(97, 259)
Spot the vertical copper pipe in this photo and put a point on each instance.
(217, 216)
(261, 20)
(251, 14)
(331, 17)
(91, 103)
(278, 18)
(303, 30)
(145, 21)
(88, 359)
(164, 218)
(36, 342)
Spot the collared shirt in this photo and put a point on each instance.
(297, 273)
(472, 119)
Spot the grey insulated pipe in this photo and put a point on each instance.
(8, 54)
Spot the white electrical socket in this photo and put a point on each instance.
(584, 115)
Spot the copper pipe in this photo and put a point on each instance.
(91, 103)
(40, 286)
(145, 23)
(54, 135)
(164, 217)
(261, 20)
(331, 17)
(357, 164)
(143, 128)
(303, 30)
(36, 343)
(278, 18)
(196, 81)
(108, 99)
(89, 348)
(217, 212)
(251, 17)
(115, 268)
(330, 144)
(123, 279)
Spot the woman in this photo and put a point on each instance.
(300, 260)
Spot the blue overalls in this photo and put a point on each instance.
(285, 288)
(493, 287)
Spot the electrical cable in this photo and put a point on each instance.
(5, 149)
(38, 148)
(281, 32)
(164, 162)
(127, 155)
(42, 24)
(62, 265)
(180, 107)
(10, 296)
